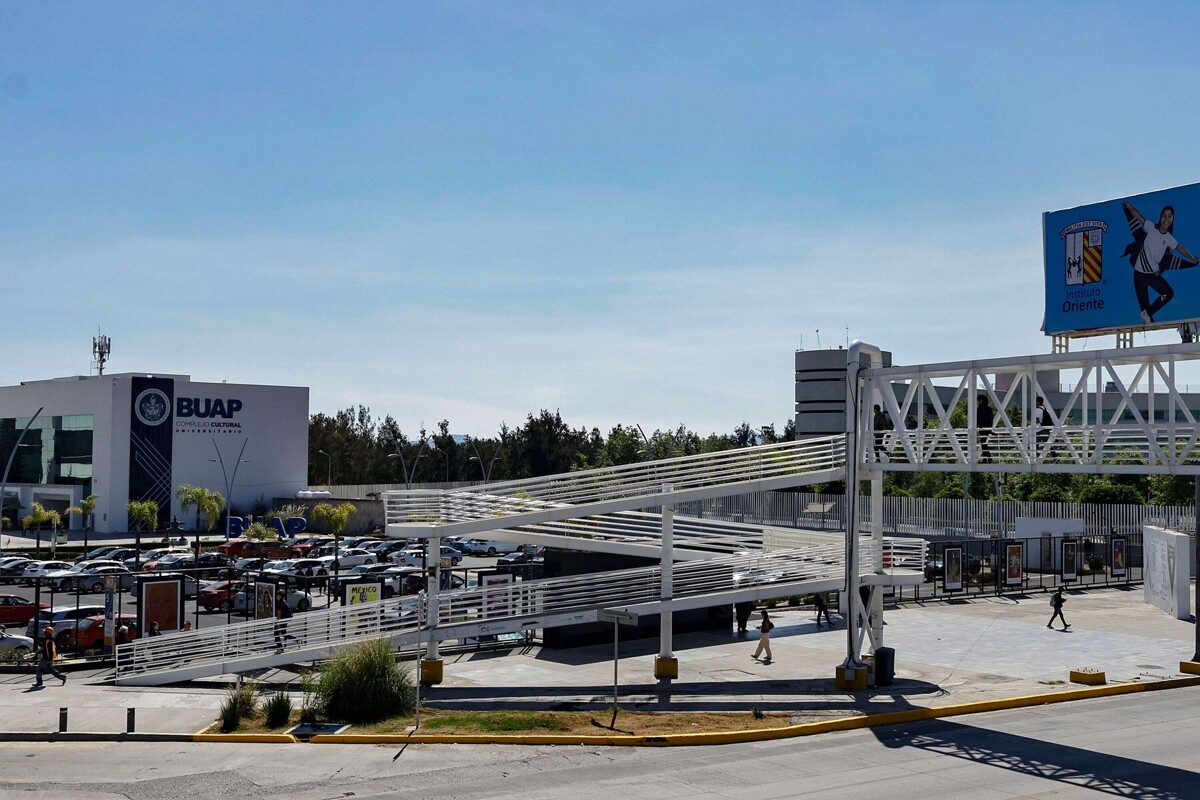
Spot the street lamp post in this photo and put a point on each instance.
(328, 470)
(405, 472)
(8, 466)
(229, 479)
(447, 455)
(487, 474)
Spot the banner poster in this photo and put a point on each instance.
(151, 435)
(1070, 560)
(1123, 263)
(264, 599)
(1118, 557)
(360, 594)
(110, 627)
(1013, 574)
(161, 602)
(496, 594)
(952, 572)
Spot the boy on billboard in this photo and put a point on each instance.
(1151, 253)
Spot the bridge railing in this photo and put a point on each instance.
(648, 480)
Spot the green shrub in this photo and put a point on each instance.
(278, 710)
(362, 684)
(757, 712)
(239, 703)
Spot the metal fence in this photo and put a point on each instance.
(934, 518)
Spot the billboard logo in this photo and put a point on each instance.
(1084, 248)
(152, 407)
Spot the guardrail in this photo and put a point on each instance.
(549, 602)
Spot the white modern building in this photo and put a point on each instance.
(137, 437)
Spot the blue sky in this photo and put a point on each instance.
(629, 212)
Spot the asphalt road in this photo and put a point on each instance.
(1143, 746)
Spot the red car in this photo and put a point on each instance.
(16, 610)
(90, 633)
(219, 596)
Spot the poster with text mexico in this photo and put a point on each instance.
(1124, 263)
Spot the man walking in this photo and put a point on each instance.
(764, 638)
(822, 607)
(283, 612)
(46, 655)
(984, 420)
(1056, 602)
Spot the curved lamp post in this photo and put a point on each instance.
(8, 466)
(229, 479)
(405, 472)
(328, 470)
(487, 474)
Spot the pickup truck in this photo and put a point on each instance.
(248, 548)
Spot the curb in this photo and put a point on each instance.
(665, 740)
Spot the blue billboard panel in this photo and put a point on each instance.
(1124, 263)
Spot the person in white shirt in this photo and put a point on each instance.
(1153, 252)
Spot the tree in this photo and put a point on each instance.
(144, 513)
(1103, 491)
(85, 509)
(205, 501)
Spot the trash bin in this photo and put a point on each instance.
(885, 666)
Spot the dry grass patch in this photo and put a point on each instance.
(580, 723)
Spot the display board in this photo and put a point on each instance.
(1123, 263)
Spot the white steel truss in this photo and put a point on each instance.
(1099, 428)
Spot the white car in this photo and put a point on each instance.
(40, 569)
(350, 557)
(413, 556)
(93, 579)
(491, 547)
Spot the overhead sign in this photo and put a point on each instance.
(1124, 263)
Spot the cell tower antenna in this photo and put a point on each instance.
(101, 347)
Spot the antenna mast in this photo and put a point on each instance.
(101, 347)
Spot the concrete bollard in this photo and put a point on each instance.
(62, 720)
(130, 715)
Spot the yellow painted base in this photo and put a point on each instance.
(1088, 677)
(1190, 667)
(851, 679)
(666, 667)
(431, 671)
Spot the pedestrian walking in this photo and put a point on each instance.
(984, 420)
(742, 612)
(1056, 602)
(822, 608)
(47, 652)
(764, 637)
(881, 423)
(283, 612)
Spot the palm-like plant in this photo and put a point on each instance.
(208, 503)
(144, 513)
(85, 509)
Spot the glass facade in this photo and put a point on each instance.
(56, 450)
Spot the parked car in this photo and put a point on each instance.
(36, 570)
(62, 619)
(95, 579)
(415, 556)
(16, 610)
(517, 563)
(347, 558)
(170, 561)
(296, 600)
(90, 633)
(219, 596)
(491, 547)
(303, 572)
(208, 564)
(12, 570)
(99, 552)
(13, 646)
(151, 556)
(305, 546)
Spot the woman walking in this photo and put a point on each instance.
(764, 637)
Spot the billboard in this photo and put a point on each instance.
(1123, 263)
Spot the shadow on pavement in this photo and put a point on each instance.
(1081, 769)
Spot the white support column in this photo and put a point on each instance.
(876, 612)
(431, 664)
(666, 666)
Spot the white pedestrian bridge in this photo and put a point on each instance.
(629, 510)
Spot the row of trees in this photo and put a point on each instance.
(350, 447)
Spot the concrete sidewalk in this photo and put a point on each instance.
(947, 653)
